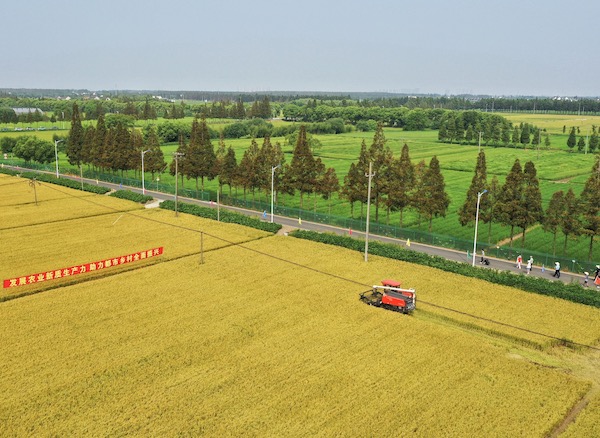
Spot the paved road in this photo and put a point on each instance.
(293, 223)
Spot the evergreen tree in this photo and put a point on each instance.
(554, 215)
(200, 158)
(532, 198)
(469, 134)
(381, 157)
(328, 185)
(302, 166)
(511, 209)
(594, 142)
(572, 140)
(590, 206)
(581, 144)
(419, 193)
(468, 211)
(400, 182)
(248, 175)
(516, 135)
(180, 166)
(97, 147)
(434, 200)
(489, 213)
(76, 138)
(154, 160)
(349, 190)
(547, 141)
(443, 132)
(571, 223)
(505, 134)
(88, 144)
(525, 135)
(229, 169)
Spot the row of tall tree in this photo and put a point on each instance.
(113, 148)
(588, 143)
(396, 183)
(474, 127)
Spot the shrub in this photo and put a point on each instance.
(132, 196)
(225, 216)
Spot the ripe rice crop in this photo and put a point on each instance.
(247, 344)
(511, 306)
(54, 245)
(54, 204)
(586, 424)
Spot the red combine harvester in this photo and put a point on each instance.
(391, 296)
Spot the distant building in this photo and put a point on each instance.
(19, 111)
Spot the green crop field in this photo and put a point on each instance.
(267, 337)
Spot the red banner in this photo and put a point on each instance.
(82, 269)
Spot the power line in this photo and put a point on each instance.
(339, 277)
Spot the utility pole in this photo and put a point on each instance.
(369, 175)
(176, 155)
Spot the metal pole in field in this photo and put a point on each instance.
(201, 247)
(143, 185)
(370, 175)
(218, 205)
(476, 223)
(176, 155)
(56, 142)
(81, 175)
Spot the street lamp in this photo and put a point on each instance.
(143, 186)
(56, 142)
(272, 187)
(476, 223)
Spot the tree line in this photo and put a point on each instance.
(587, 143)
(474, 127)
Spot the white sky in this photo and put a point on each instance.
(508, 47)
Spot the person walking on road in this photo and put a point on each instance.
(482, 256)
(586, 279)
(519, 261)
(529, 265)
(556, 270)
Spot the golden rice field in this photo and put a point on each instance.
(588, 423)
(269, 338)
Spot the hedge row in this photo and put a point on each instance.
(132, 196)
(571, 292)
(225, 216)
(44, 177)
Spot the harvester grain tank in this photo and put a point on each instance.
(390, 295)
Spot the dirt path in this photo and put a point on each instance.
(587, 368)
(517, 236)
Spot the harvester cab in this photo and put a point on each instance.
(391, 296)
